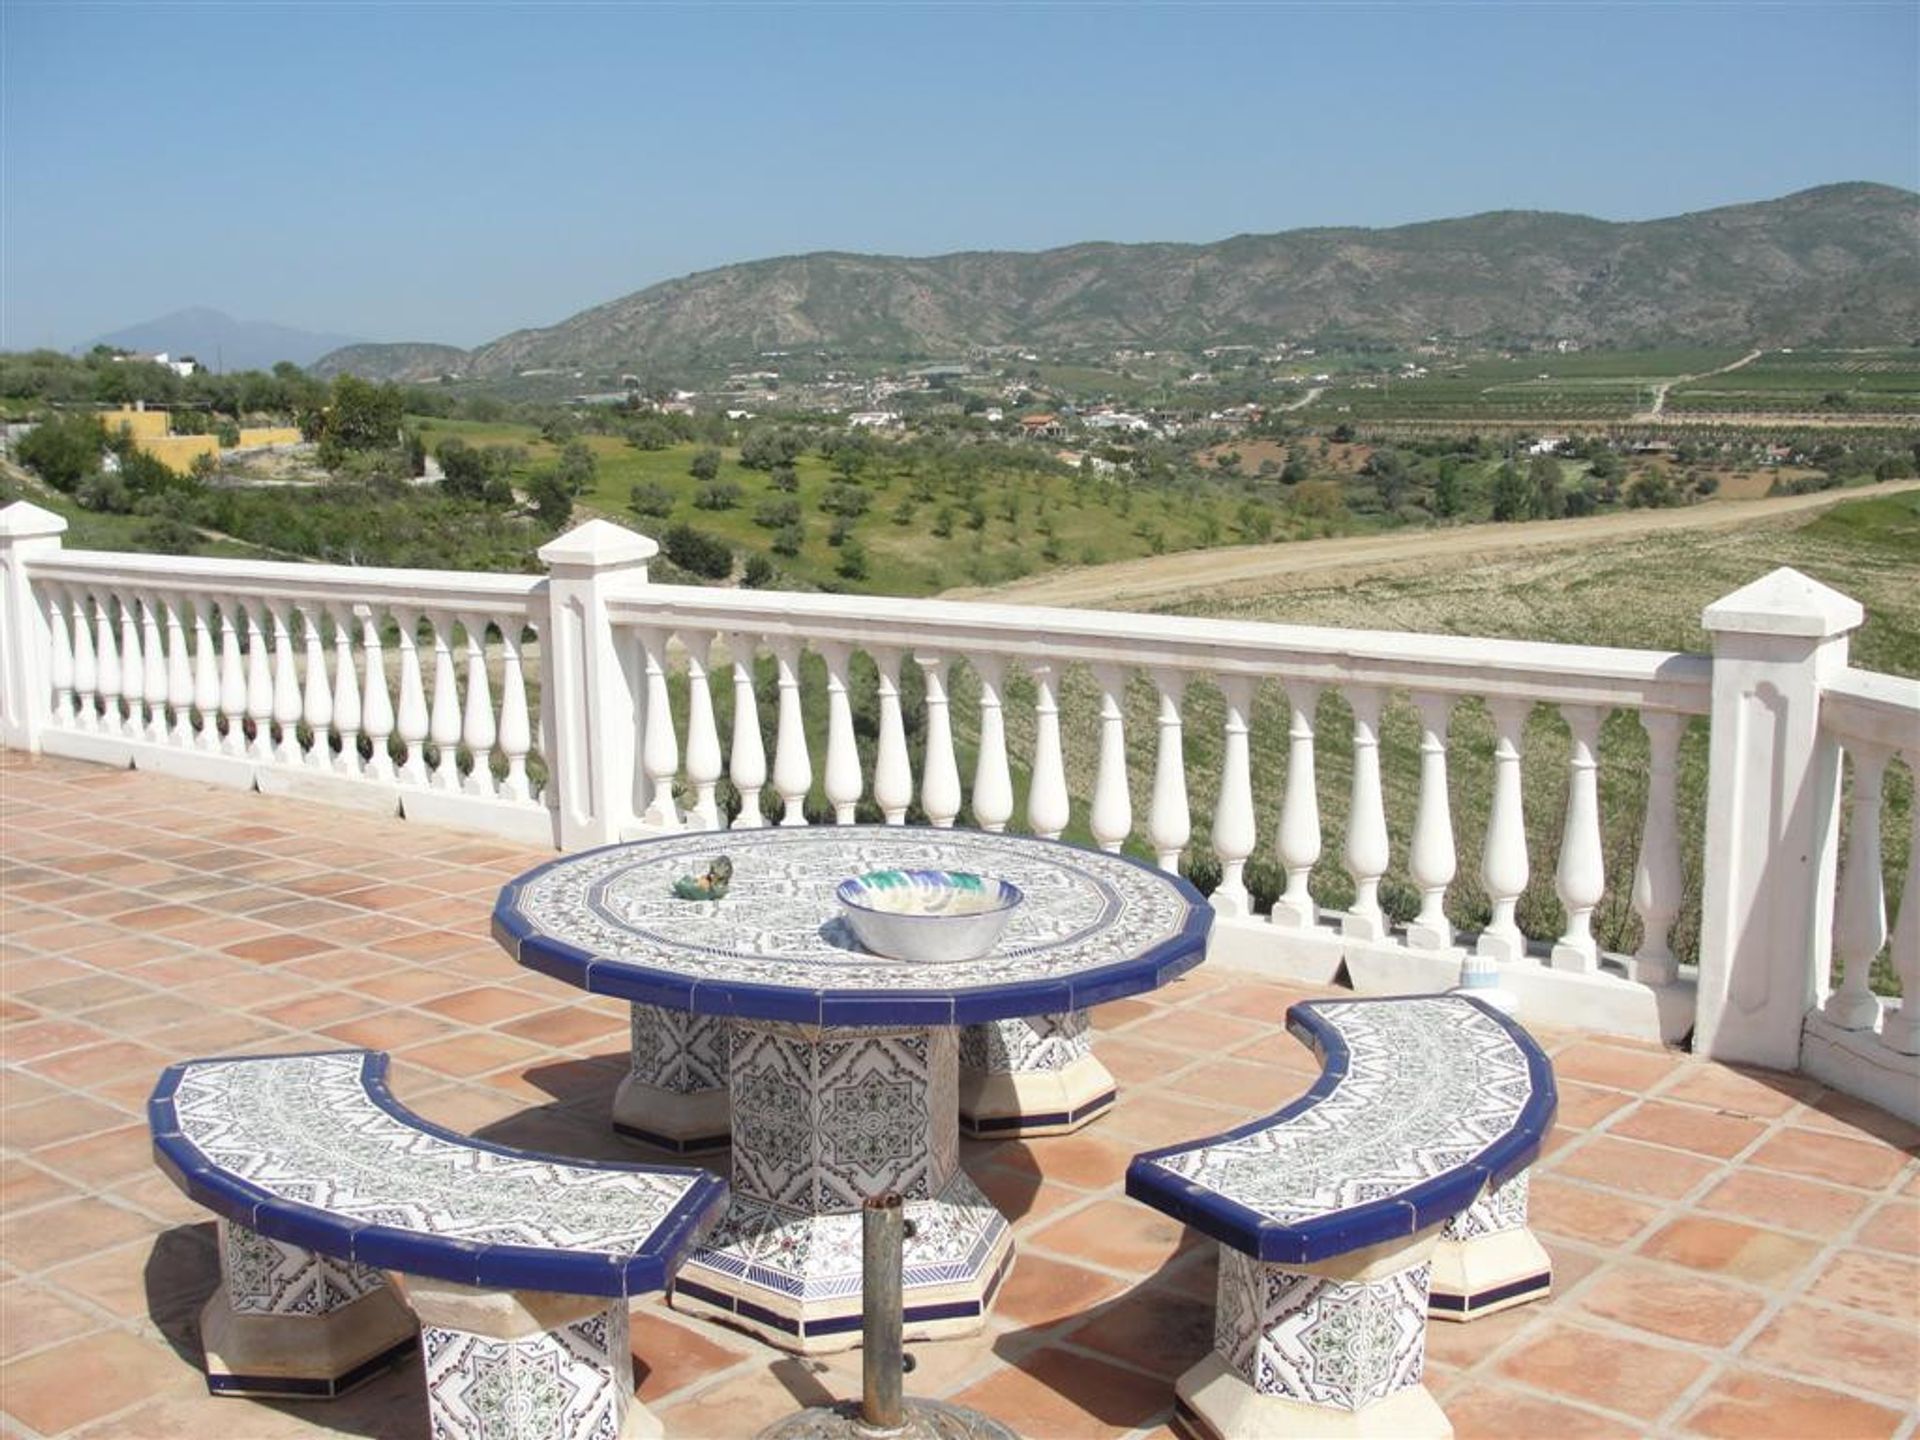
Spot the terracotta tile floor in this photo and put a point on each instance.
(1736, 1254)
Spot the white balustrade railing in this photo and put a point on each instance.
(418, 690)
(1854, 1037)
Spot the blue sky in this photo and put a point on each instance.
(450, 172)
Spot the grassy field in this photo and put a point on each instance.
(1091, 520)
(1809, 382)
(1642, 593)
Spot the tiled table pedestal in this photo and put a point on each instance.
(823, 1117)
(1033, 1075)
(1332, 1349)
(674, 1095)
(527, 1365)
(289, 1323)
(1487, 1259)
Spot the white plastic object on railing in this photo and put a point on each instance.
(992, 800)
(746, 754)
(1234, 834)
(286, 691)
(516, 729)
(346, 695)
(1110, 819)
(233, 680)
(1657, 880)
(106, 664)
(1580, 878)
(1431, 861)
(1503, 858)
(841, 780)
(1901, 1032)
(892, 767)
(1367, 851)
(206, 676)
(86, 668)
(316, 708)
(1048, 808)
(792, 769)
(1860, 909)
(940, 786)
(259, 684)
(132, 673)
(158, 677)
(703, 736)
(180, 679)
(1297, 841)
(443, 722)
(1170, 825)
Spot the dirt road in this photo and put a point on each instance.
(1659, 406)
(1158, 579)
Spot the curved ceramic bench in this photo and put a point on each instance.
(518, 1266)
(1403, 1166)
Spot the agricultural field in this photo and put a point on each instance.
(1595, 387)
(1809, 382)
(999, 523)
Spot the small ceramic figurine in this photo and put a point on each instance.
(710, 886)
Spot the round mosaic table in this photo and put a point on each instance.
(839, 1068)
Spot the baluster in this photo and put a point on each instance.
(154, 691)
(1111, 817)
(1431, 860)
(316, 695)
(1171, 824)
(1233, 827)
(133, 671)
(1298, 840)
(411, 718)
(443, 728)
(477, 729)
(107, 665)
(1581, 877)
(659, 745)
(747, 753)
(286, 692)
(346, 694)
(842, 779)
(516, 733)
(940, 786)
(376, 708)
(180, 682)
(260, 687)
(206, 676)
(233, 680)
(1048, 809)
(1656, 877)
(1503, 859)
(792, 770)
(1367, 852)
(1860, 915)
(992, 776)
(1902, 1028)
(892, 769)
(703, 735)
(86, 666)
(60, 659)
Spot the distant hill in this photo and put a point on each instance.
(1835, 265)
(411, 362)
(217, 339)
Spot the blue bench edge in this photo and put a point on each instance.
(492, 1267)
(1324, 1237)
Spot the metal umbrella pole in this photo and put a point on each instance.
(882, 1410)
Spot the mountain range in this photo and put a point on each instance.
(1836, 265)
(218, 341)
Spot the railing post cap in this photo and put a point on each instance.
(599, 545)
(1784, 603)
(25, 521)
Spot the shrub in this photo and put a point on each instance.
(697, 552)
(760, 573)
(705, 463)
(845, 500)
(650, 498)
(788, 540)
(777, 513)
(716, 495)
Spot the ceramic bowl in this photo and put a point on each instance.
(935, 916)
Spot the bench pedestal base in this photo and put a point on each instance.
(1211, 1402)
(1487, 1259)
(287, 1323)
(1035, 1075)
(526, 1365)
(1335, 1347)
(674, 1096)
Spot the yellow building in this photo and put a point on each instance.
(144, 424)
(178, 452)
(270, 435)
